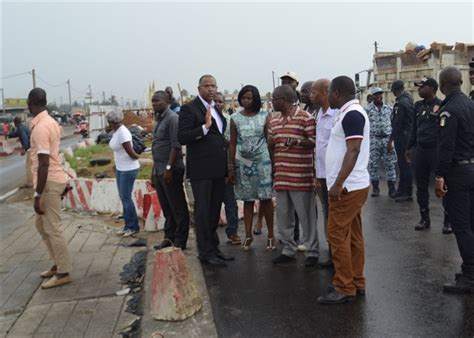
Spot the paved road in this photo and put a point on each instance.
(405, 271)
(12, 173)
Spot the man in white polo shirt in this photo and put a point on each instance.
(348, 182)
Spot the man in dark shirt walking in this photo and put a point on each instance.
(402, 122)
(425, 139)
(168, 173)
(23, 133)
(455, 172)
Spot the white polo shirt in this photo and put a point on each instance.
(351, 122)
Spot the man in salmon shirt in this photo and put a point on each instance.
(49, 182)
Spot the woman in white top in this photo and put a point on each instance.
(127, 166)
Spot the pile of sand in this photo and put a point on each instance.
(131, 118)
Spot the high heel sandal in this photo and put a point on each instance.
(246, 244)
(270, 244)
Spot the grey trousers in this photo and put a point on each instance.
(303, 202)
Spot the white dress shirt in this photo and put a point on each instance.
(215, 115)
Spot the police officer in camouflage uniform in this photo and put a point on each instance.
(455, 172)
(425, 139)
(380, 130)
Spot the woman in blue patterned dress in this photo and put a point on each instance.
(250, 167)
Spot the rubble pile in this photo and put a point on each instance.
(130, 118)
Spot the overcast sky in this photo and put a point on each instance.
(120, 47)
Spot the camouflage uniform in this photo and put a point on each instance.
(380, 130)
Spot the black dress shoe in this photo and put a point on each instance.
(334, 297)
(403, 198)
(162, 245)
(181, 246)
(282, 259)
(462, 284)
(224, 257)
(215, 261)
(311, 261)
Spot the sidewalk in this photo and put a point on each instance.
(88, 307)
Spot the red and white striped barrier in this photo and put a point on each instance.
(101, 195)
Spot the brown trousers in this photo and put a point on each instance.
(347, 241)
(50, 227)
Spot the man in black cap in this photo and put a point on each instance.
(425, 139)
(455, 172)
(402, 122)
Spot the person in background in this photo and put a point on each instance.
(380, 130)
(174, 105)
(126, 170)
(49, 183)
(23, 133)
(168, 173)
(471, 78)
(250, 167)
(402, 125)
(324, 122)
(425, 139)
(5, 129)
(309, 106)
(230, 203)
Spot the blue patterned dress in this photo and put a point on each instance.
(253, 167)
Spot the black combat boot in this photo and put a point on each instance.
(425, 220)
(375, 189)
(447, 225)
(391, 189)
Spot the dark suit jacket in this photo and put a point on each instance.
(206, 155)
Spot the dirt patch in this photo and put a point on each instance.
(131, 118)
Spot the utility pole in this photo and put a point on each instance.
(33, 74)
(273, 77)
(3, 101)
(103, 97)
(69, 93)
(376, 46)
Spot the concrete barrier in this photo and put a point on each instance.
(7, 147)
(101, 195)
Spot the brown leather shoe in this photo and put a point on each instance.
(234, 239)
(55, 281)
(48, 273)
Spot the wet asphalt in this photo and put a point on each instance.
(405, 271)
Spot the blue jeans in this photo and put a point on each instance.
(125, 180)
(231, 210)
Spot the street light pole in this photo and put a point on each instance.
(3, 101)
(69, 93)
(33, 74)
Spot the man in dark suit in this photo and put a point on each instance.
(201, 129)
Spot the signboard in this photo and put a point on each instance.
(15, 103)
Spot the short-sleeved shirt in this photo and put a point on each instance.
(123, 162)
(324, 123)
(350, 123)
(165, 137)
(294, 168)
(45, 139)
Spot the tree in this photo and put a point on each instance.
(226, 92)
(184, 93)
(235, 92)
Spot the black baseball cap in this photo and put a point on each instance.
(427, 81)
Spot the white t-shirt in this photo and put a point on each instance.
(351, 122)
(123, 161)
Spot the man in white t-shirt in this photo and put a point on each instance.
(348, 181)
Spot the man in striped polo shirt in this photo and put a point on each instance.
(291, 138)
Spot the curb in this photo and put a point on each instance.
(9, 194)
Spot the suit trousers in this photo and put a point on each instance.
(347, 241)
(208, 197)
(174, 206)
(50, 227)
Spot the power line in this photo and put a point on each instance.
(14, 75)
(49, 84)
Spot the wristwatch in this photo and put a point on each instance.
(168, 167)
(36, 195)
